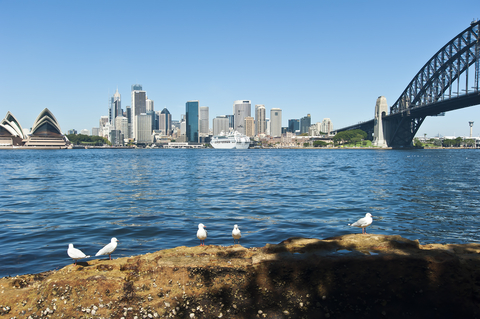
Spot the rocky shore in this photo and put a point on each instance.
(351, 276)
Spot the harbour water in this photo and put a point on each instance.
(153, 199)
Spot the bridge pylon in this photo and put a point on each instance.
(381, 109)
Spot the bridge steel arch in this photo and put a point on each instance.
(431, 90)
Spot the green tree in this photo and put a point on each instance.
(319, 144)
(352, 136)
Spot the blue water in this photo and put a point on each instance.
(154, 199)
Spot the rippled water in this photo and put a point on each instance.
(154, 199)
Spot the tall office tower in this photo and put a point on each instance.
(260, 124)
(293, 125)
(220, 124)
(138, 106)
(115, 108)
(267, 131)
(121, 124)
(128, 134)
(276, 122)
(305, 123)
(149, 105)
(165, 122)
(241, 109)
(144, 128)
(136, 87)
(249, 126)
(231, 121)
(192, 116)
(103, 121)
(204, 119)
(326, 126)
(152, 115)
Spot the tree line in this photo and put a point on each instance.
(81, 139)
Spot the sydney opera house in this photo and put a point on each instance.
(45, 133)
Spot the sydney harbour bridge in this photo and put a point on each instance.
(448, 81)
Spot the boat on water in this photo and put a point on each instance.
(232, 140)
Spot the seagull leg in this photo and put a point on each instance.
(110, 256)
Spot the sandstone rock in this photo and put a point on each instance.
(354, 275)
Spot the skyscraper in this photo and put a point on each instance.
(260, 120)
(115, 108)
(149, 105)
(241, 109)
(326, 126)
(249, 126)
(275, 122)
(144, 128)
(192, 117)
(305, 123)
(293, 125)
(165, 122)
(220, 124)
(204, 119)
(138, 106)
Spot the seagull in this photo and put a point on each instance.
(201, 234)
(75, 253)
(236, 234)
(363, 222)
(108, 249)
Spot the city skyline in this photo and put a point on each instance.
(330, 60)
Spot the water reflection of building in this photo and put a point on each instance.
(45, 133)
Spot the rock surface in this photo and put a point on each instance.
(355, 275)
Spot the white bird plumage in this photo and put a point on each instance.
(202, 234)
(236, 234)
(75, 253)
(363, 222)
(108, 249)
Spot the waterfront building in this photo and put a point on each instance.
(241, 109)
(260, 121)
(305, 123)
(11, 132)
(84, 132)
(267, 130)
(46, 132)
(139, 106)
(116, 137)
(293, 125)
(165, 122)
(115, 107)
(103, 121)
(143, 124)
(95, 131)
(220, 124)
(128, 134)
(276, 122)
(192, 117)
(231, 121)
(121, 124)
(326, 126)
(249, 126)
(204, 120)
(72, 131)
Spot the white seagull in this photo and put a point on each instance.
(363, 222)
(108, 249)
(75, 253)
(236, 234)
(202, 234)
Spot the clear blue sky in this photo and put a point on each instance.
(331, 59)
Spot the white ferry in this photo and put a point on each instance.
(232, 140)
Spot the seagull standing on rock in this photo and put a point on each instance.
(236, 234)
(363, 222)
(75, 253)
(108, 249)
(202, 234)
